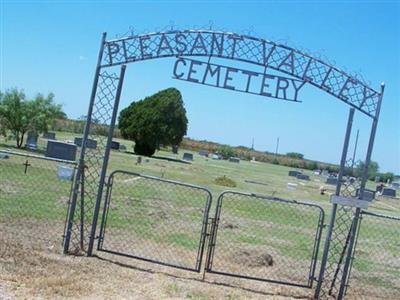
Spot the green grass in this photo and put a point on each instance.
(152, 210)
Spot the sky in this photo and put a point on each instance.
(52, 46)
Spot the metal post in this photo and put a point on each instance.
(81, 163)
(361, 195)
(334, 207)
(105, 161)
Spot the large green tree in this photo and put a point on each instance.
(373, 169)
(19, 115)
(158, 119)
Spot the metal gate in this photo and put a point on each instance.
(154, 219)
(265, 238)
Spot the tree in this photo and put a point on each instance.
(19, 115)
(295, 155)
(158, 119)
(372, 169)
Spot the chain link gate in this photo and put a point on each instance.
(265, 238)
(154, 219)
(90, 178)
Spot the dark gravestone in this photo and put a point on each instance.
(389, 192)
(61, 150)
(369, 195)
(234, 159)
(203, 153)
(187, 156)
(115, 145)
(303, 177)
(49, 135)
(294, 173)
(31, 141)
(91, 144)
(331, 180)
(175, 149)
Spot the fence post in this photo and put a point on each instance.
(81, 164)
(360, 196)
(105, 161)
(334, 207)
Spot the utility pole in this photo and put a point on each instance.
(277, 146)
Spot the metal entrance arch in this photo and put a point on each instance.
(108, 80)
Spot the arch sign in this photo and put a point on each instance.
(269, 55)
(283, 73)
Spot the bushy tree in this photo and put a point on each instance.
(19, 115)
(372, 169)
(295, 155)
(158, 119)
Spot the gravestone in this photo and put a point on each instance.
(115, 145)
(389, 192)
(325, 173)
(331, 180)
(122, 147)
(294, 173)
(31, 141)
(303, 177)
(187, 156)
(61, 150)
(317, 172)
(91, 144)
(65, 173)
(396, 185)
(369, 195)
(234, 159)
(215, 157)
(175, 149)
(49, 135)
(203, 153)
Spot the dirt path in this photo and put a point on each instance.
(45, 274)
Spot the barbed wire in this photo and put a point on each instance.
(250, 31)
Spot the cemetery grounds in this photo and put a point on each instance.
(34, 204)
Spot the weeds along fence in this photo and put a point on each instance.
(34, 196)
(376, 258)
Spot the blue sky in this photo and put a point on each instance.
(52, 46)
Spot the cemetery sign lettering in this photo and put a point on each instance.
(236, 79)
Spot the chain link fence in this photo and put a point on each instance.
(265, 238)
(155, 219)
(376, 258)
(34, 197)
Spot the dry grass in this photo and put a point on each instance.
(28, 270)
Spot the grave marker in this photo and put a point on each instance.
(234, 159)
(294, 173)
(187, 156)
(303, 177)
(49, 135)
(31, 141)
(115, 145)
(91, 144)
(389, 192)
(61, 150)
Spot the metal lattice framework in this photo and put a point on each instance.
(247, 49)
